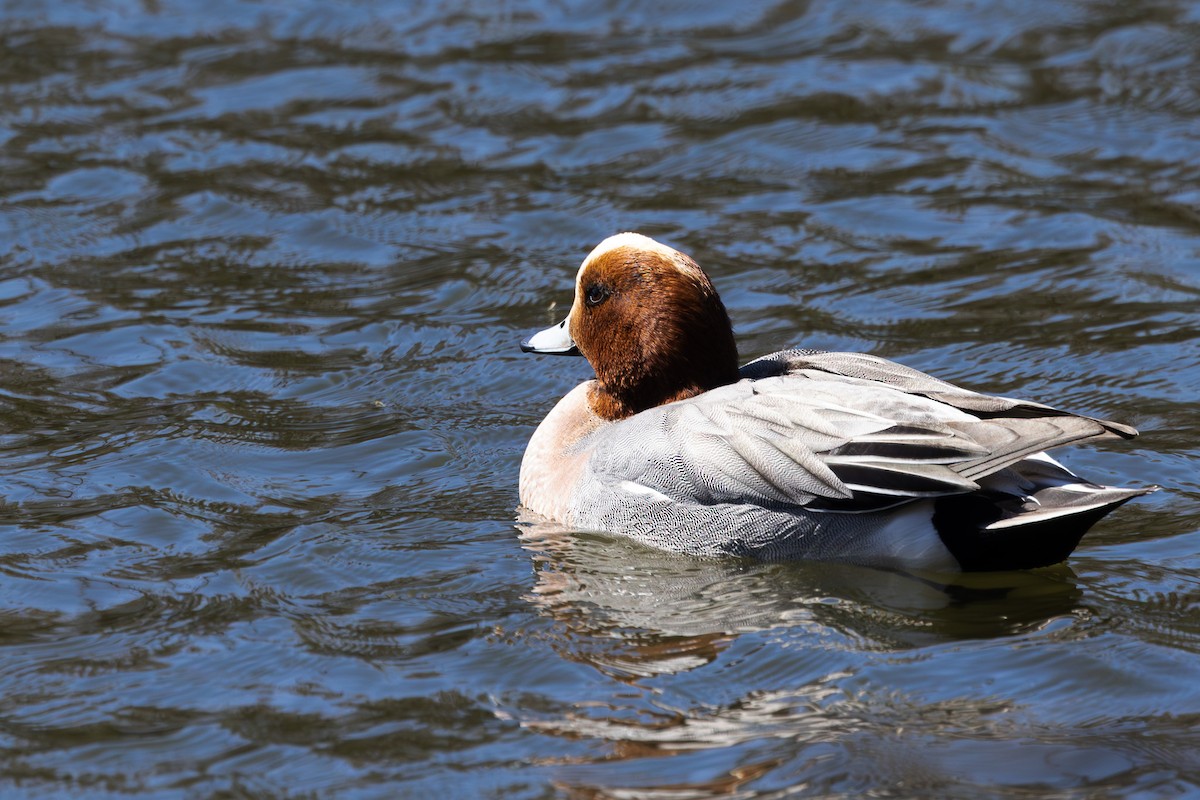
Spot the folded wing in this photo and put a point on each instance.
(833, 431)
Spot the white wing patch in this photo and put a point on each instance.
(641, 490)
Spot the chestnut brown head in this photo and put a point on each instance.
(649, 322)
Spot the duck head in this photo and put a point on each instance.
(650, 323)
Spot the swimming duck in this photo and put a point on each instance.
(798, 454)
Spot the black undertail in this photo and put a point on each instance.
(961, 521)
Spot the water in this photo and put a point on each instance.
(265, 269)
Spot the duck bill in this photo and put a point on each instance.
(554, 341)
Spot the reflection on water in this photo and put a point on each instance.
(636, 614)
(264, 272)
(631, 611)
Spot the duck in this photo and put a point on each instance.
(799, 454)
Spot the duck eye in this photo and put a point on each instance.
(596, 294)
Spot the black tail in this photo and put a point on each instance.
(995, 531)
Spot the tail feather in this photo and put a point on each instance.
(1059, 502)
(997, 529)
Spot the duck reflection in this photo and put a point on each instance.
(632, 612)
(788, 647)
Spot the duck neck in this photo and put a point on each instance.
(663, 376)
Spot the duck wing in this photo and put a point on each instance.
(832, 431)
(864, 368)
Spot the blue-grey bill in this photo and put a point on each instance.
(555, 341)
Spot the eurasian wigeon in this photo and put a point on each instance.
(798, 454)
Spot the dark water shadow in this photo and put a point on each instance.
(632, 612)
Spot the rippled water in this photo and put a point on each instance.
(265, 268)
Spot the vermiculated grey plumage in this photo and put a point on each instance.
(813, 456)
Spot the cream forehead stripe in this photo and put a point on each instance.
(639, 242)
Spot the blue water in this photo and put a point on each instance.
(264, 273)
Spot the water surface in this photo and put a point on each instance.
(265, 269)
